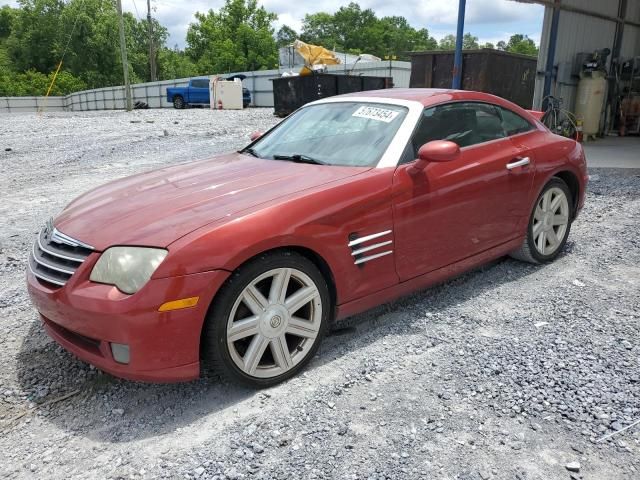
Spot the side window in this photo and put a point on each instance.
(200, 84)
(514, 123)
(465, 123)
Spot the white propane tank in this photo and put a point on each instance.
(590, 101)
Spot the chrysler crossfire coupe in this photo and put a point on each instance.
(241, 262)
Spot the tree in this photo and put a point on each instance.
(448, 42)
(398, 37)
(35, 32)
(36, 83)
(355, 30)
(36, 36)
(469, 42)
(138, 45)
(519, 43)
(238, 37)
(7, 15)
(285, 36)
(174, 63)
(488, 45)
(501, 45)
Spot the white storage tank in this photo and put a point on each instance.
(590, 101)
(225, 94)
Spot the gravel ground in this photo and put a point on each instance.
(512, 371)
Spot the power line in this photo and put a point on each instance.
(73, 29)
(64, 52)
(136, 9)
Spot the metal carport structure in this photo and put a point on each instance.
(575, 26)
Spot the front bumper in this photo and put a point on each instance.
(86, 317)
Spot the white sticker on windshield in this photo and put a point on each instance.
(376, 113)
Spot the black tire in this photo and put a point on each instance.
(216, 353)
(528, 251)
(178, 102)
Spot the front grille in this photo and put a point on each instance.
(55, 256)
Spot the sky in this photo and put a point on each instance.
(489, 20)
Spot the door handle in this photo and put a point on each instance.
(520, 162)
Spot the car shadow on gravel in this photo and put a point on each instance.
(108, 409)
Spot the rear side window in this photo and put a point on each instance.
(464, 123)
(200, 83)
(514, 123)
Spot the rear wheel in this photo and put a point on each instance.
(178, 102)
(268, 320)
(549, 224)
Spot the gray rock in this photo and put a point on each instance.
(573, 466)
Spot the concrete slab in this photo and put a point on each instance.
(613, 152)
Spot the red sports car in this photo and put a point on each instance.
(243, 261)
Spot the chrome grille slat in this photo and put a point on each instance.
(55, 257)
(44, 277)
(56, 254)
(76, 254)
(51, 265)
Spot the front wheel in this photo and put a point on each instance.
(267, 321)
(549, 224)
(178, 102)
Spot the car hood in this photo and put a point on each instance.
(158, 207)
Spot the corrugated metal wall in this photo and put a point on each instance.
(31, 104)
(631, 39)
(582, 33)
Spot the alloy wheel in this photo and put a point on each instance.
(274, 322)
(550, 221)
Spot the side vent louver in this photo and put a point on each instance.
(370, 247)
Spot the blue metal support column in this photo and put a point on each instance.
(551, 53)
(457, 59)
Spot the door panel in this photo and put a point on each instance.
(453, 210)
(199, 91)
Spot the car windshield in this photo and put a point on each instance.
(343, 133)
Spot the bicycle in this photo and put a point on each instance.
(558, 120)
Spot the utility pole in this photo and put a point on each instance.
(152, 55)
(123, 54)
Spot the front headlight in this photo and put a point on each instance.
(128, 268)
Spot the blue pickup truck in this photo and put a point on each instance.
(197, 93)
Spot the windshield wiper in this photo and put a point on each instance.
(299, 159)
(250, 151)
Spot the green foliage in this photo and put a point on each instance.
(354, 30)
(285, 36)
(36, 83)
(137, 34)
(448, 42)
(238, 37)
(469, 42)
(519, 43)
(175, 64)
(35, 36)
(7, 14)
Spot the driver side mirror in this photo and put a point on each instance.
(435, 151)
(255, 135)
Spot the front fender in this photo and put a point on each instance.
(320, 221)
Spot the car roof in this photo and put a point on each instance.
(429, 96)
